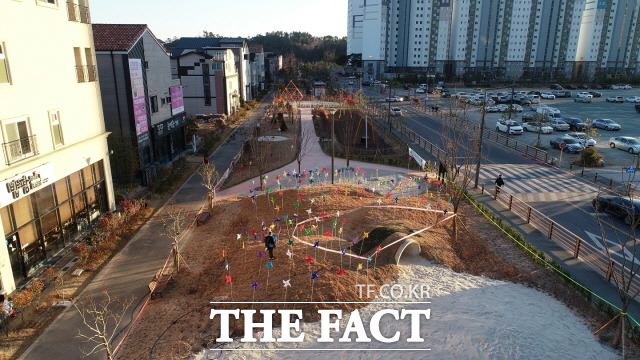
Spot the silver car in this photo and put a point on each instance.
(606, 124)
(559, 125)
(626, 143)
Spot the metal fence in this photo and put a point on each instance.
(595, 257)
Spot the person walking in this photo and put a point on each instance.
(270, 244)
(499, 183)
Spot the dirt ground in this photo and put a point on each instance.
(177, 325)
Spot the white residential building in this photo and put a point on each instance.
(55, 175)
(496, 39)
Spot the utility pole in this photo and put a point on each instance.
(333, 139)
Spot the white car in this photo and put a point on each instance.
(625, 143)
(509, 125)
(396, 111)
(548, 96)
(352, 77)
(491, 108)
(535, 128)
(559, 125)
(420, 91)
(583, 138)
(395, 98)
(633, 99)
(584, 94)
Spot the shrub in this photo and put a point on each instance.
(589, 157)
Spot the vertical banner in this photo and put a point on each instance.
(177, 102)
(139, 101)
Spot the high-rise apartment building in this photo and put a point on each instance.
(55, 177)
(485, 40)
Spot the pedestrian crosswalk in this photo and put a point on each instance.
(533, 183)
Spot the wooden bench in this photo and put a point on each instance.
(202, 218)
(158, 284)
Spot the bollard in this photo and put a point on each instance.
(570, 167)
(582, 173)
(596, 178)
(610, 182)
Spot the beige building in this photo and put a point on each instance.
(54, 174)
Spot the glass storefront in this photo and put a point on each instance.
(39, 225)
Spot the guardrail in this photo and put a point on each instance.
(593, 256)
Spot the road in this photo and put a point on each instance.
(562, 196)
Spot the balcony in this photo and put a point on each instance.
(86, 73)
(20, 149)
(79, 13)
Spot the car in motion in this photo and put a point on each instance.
(396, 111)
(547, 95)
(595, 94)
(615, 99)
(583, 138)
(535, 127)
(420, 91)
(606, 124)
(626, 143)
(571, 145)
(582, 99)
(622, 207)
(509, 126)
(395, 98)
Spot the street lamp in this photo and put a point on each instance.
(333, 140)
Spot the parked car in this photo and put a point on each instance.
(575, 123)
(625, 143)
(556, 87)
(545, 129)
(396, 111)
(491, 108)
(584, 139)
(621, 87)
(514, 128)
(583, 99)
(351, 83)
(548, 96)
(559, 125)
(622, 207)
(595, 94)
(583, 87)
(366, 83)
(633, 99)
(638, 108)
(584, 94)
(352, 77)
(420, 91)
(571, 145)
(615, 99)
(606, 124)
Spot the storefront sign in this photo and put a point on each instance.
(168, 126)
(23, 184)
(177, 101)
(139, 100)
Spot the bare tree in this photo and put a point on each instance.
(624, 262)
(348, 124)
(210, 177)
(303, 144)
(101, 317)
(175, 222)
(259, 154)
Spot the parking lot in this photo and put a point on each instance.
(622, 113)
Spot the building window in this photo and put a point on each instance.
(19, 143)
(154, 104)
(51, 3)
(56, 128)
(5, 79)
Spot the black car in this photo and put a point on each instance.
(637, 108)
(366, 83)
(595, 94)
(575, 124)
(583, 87)
(556, 87)
(622, 207)
(571, 87)
(571, 145)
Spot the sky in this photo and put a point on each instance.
(239, 18)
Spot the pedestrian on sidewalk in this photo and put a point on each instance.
(270, 244)
(499, 183)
